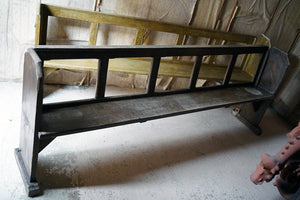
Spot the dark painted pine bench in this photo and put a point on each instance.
(42, 123)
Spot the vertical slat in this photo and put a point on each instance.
(252, 60)
(244, 60)
(195, 72)
(93, 33)
(37, 29)
(101, 79)
(41, 26)
(179, 41)
(260, 68)
(96, 5)
(139, 37)
(229, 70)
(92, 41)
(153, 75)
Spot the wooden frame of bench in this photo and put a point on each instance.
(42, 123)
(172, 68)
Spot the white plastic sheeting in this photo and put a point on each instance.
(277, 18)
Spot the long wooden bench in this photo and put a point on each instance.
(171, 68)
(42, 123)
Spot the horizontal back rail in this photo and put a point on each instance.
(49, 52)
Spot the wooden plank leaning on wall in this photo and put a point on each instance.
(172, 68)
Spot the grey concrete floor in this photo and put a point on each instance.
(204, 155)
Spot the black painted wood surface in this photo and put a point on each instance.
(41, 123)
(106, 114)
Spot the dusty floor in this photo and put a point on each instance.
(205, 155)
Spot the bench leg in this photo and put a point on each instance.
(27, 156)
(251, 114)
(31, 186)
(32, 101)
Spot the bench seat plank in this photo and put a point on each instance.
(61, 121)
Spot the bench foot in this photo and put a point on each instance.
(253, 127)
(32, 187)
(251, 114)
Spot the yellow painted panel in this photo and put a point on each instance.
(253, 60)
(138, 23)
(141, 66)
